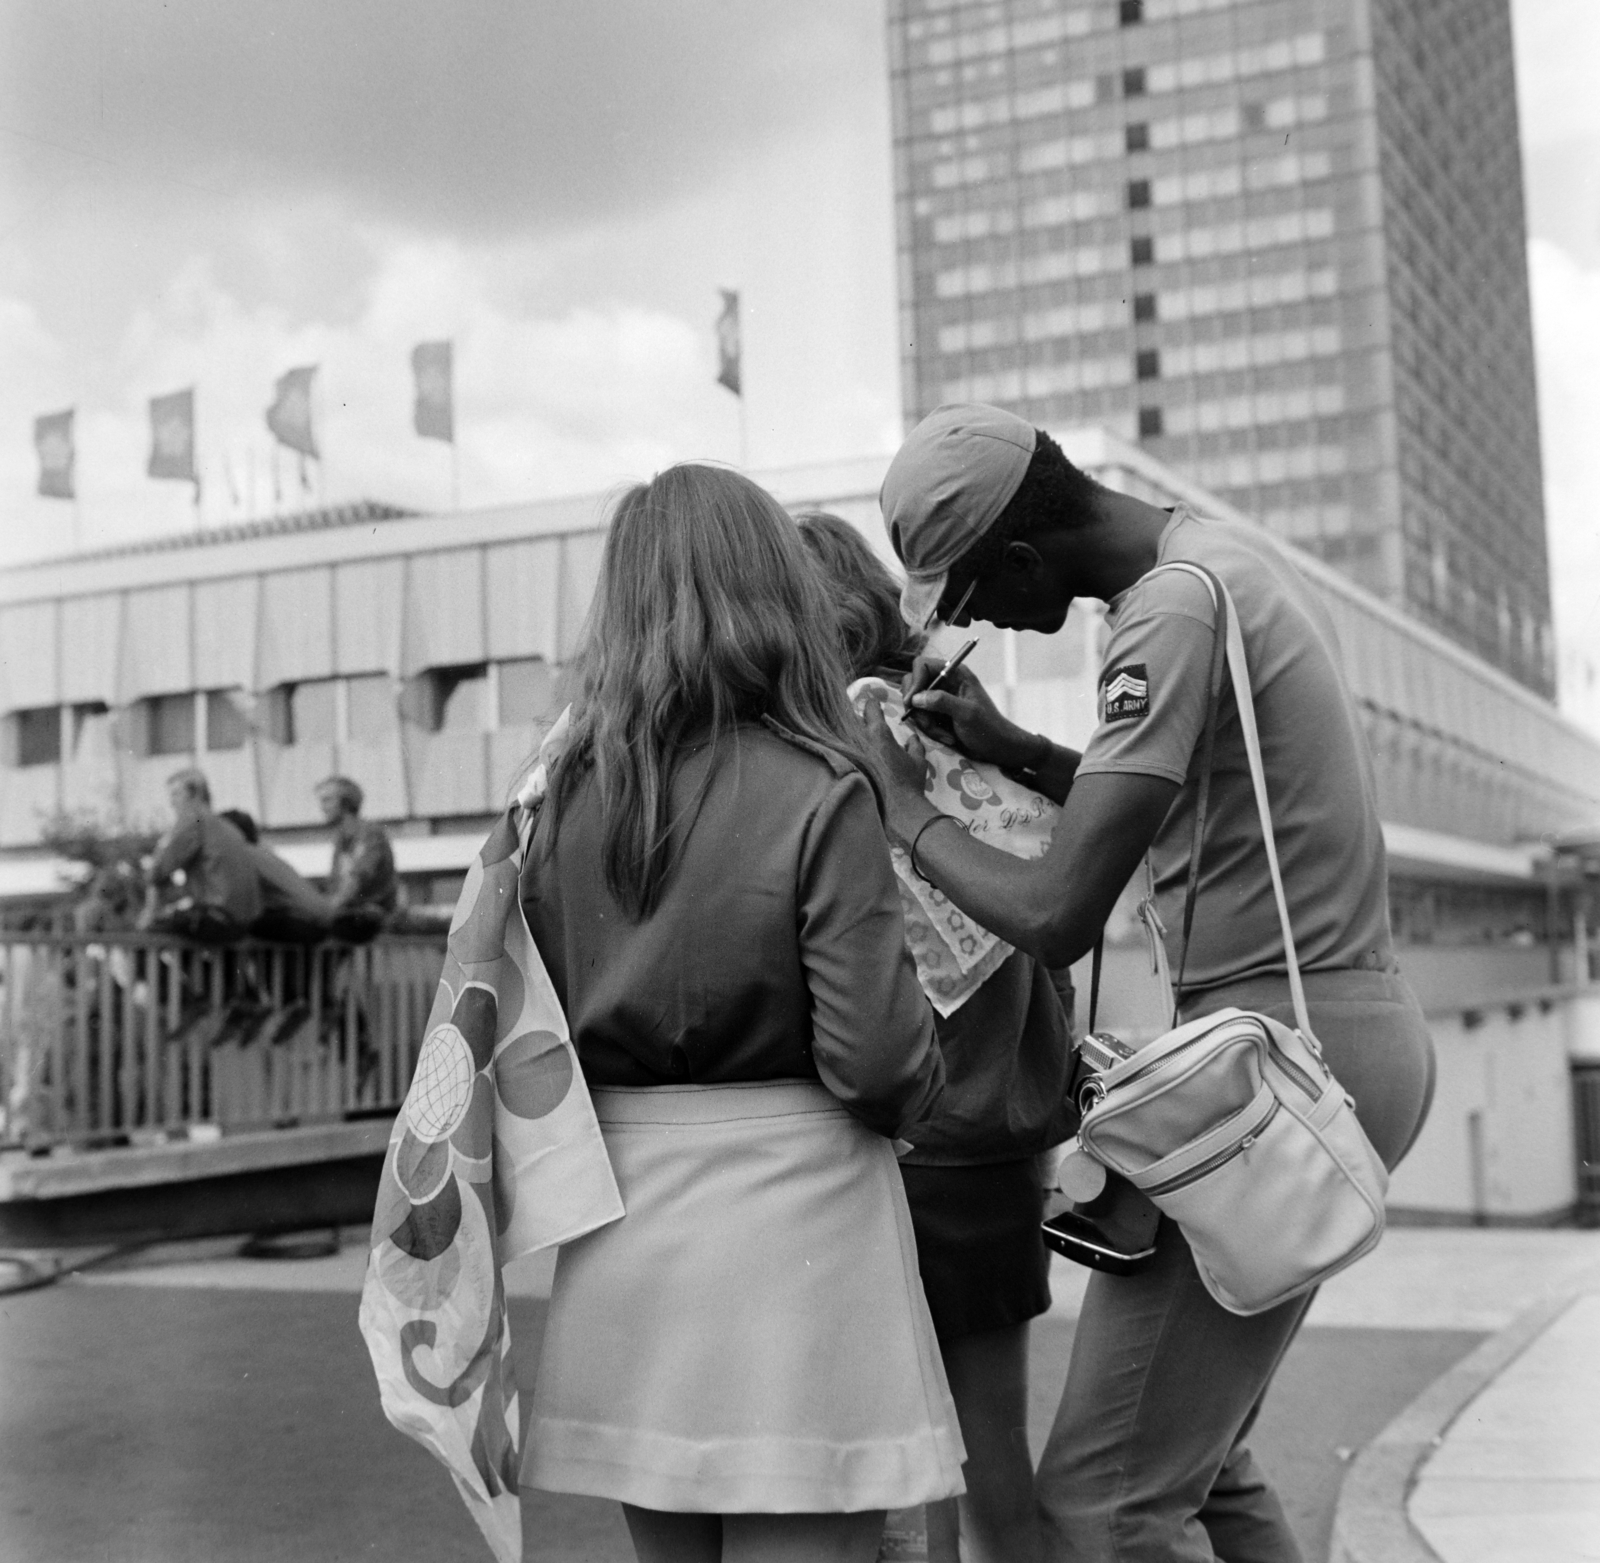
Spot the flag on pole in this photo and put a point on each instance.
(172, 438)
(52, 438)
(729, 348)
(289, 416)
(434, 415)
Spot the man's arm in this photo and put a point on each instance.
(1055, 906)
(177, 849)
(1160, 653)
(963, 711)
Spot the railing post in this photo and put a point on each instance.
(79, 1116)
(105, 1051)
(154, 1048)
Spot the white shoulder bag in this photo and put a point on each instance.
(1232, 1124)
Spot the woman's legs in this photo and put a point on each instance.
(802, 1538)
(674, 1538)
(988, 1373)
(754, 1538)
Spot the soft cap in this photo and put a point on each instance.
(947, 485)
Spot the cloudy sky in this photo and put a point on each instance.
(208, 192)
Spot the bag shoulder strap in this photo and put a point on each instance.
(1228, 646)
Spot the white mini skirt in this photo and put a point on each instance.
(752, 1336)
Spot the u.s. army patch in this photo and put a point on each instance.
(1125, 693)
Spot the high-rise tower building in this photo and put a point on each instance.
(1280, 242)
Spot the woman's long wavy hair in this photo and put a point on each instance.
(865, 597)
(708, 613)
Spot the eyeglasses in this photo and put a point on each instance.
(956, 612)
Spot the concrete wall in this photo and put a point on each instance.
(1498, 1146)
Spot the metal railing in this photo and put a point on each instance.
(106, 1039)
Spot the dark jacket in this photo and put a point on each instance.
(777, 950)
(218, 866)
(1008, 1058)
(363, 871)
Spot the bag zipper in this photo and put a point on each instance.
(1295, 1072)
(1159, 1063)
(1213, 1162)
(1284, 1062)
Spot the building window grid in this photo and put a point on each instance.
(1135, 81)
(1255, 410)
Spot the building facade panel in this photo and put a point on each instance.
(92, 626)
(226, 639)
(367, 595)
(92, 766)
(444, 611)
(29, 798)
(378, 764)
(524, 599)
(157, 642)
(296, 627)
(289, 774)
(30, 665)
(580, 570)
(448, 772)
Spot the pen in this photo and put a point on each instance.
(950, 667)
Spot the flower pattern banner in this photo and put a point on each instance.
(496, 1152)
(955, 956)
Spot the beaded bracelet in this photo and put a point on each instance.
(934, 820)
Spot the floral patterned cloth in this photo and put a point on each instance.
(495, 1153)
(955, 956)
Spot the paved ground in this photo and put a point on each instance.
(220, 1408)
(1516, 1478)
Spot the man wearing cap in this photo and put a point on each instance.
(220, 898)
(1148, 1457)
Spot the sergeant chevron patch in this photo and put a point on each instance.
(1125, 693)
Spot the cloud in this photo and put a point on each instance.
(545, 404)
(478, 117)
(1566, 324)
(1557, 45)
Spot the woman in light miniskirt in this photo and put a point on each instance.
(745, 1361)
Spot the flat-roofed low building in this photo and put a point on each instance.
(423, 655)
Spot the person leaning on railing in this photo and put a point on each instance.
(218, 898)
(363, 890)
(293, 910)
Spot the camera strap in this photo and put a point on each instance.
(1208, 746)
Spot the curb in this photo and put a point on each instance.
(1370, 1521)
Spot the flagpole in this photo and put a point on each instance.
(455, 474)
(744, 436)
